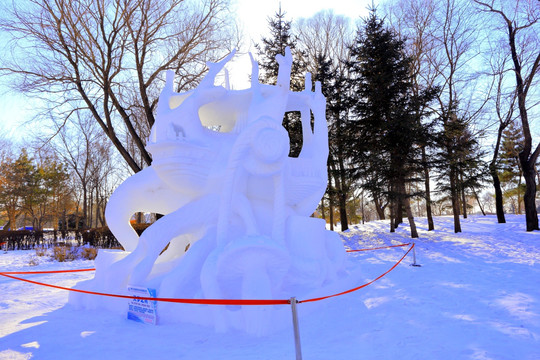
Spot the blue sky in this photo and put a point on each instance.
(17, 109)
(253, 19)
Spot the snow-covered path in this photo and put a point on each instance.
(476, 296)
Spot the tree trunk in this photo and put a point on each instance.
(455, 201)
(343, 212)
(330, 199)
(478, 201)
(398, 191)
(412, 224)
(12, 221)
(343, 196)
(398, 212)
(527, 157)
(85, 208)
(90, 209)
(464, 203)
(529, 198)
(342, 200)
(323, 209)
(363, 214)
(463, 196)
(406, 204)
(393, 206)
(100, 214)
(378, 207)
(331, 212)
(499, 206)
(519, 196)
(76, 217)
(429, 214)
(55, 217)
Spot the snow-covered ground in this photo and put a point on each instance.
(476, 296)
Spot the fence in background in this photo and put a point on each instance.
(30, 239)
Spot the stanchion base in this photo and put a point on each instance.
(416, 265)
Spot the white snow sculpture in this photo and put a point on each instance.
(234, 196)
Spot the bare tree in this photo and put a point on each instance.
(519, 21)
(324, 38)
(106, 57)
(326, 34)
(6, 147)
(504, 105)
(88, 156)
(101, 180)
(454, 34)
(412, 20)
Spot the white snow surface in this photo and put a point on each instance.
(476, 296)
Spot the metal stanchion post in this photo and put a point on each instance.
(414, 256)
(296, 329)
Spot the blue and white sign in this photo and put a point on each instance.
(142, 310)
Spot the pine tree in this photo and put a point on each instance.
(16, 188)
(281, 38)
(386, 128)
(510, 171)
(459, 161)
(333, 85)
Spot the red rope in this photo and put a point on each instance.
(361, 286)
(379, 248)
(44, 272)
(10, 274)
(173, 300)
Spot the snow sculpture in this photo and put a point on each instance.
(236, 206)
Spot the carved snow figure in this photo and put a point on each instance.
(222, 177)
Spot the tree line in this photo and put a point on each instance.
(59, 186)
(409, 104)
(414, 93)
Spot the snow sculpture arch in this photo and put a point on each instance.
(236, 206)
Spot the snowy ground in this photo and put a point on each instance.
(476, 296)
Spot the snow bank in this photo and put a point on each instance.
(476, 296)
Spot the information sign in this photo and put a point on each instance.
(141, 310)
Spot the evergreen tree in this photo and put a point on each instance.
(16, 178)
(473, 170)
(510, 171)
(386, 127)
(281, 38)
(459, 162)
(333, 83)
(34, 190)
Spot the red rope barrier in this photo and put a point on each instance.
(173, 300)
(361, 286)
(44, 272)
(9, 274)
(379, 248)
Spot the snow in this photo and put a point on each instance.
(476, 296)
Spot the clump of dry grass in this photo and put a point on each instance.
(65, 253)
(59, 253)
(89, 253)
(41, 251)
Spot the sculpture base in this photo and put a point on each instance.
(246, 268)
